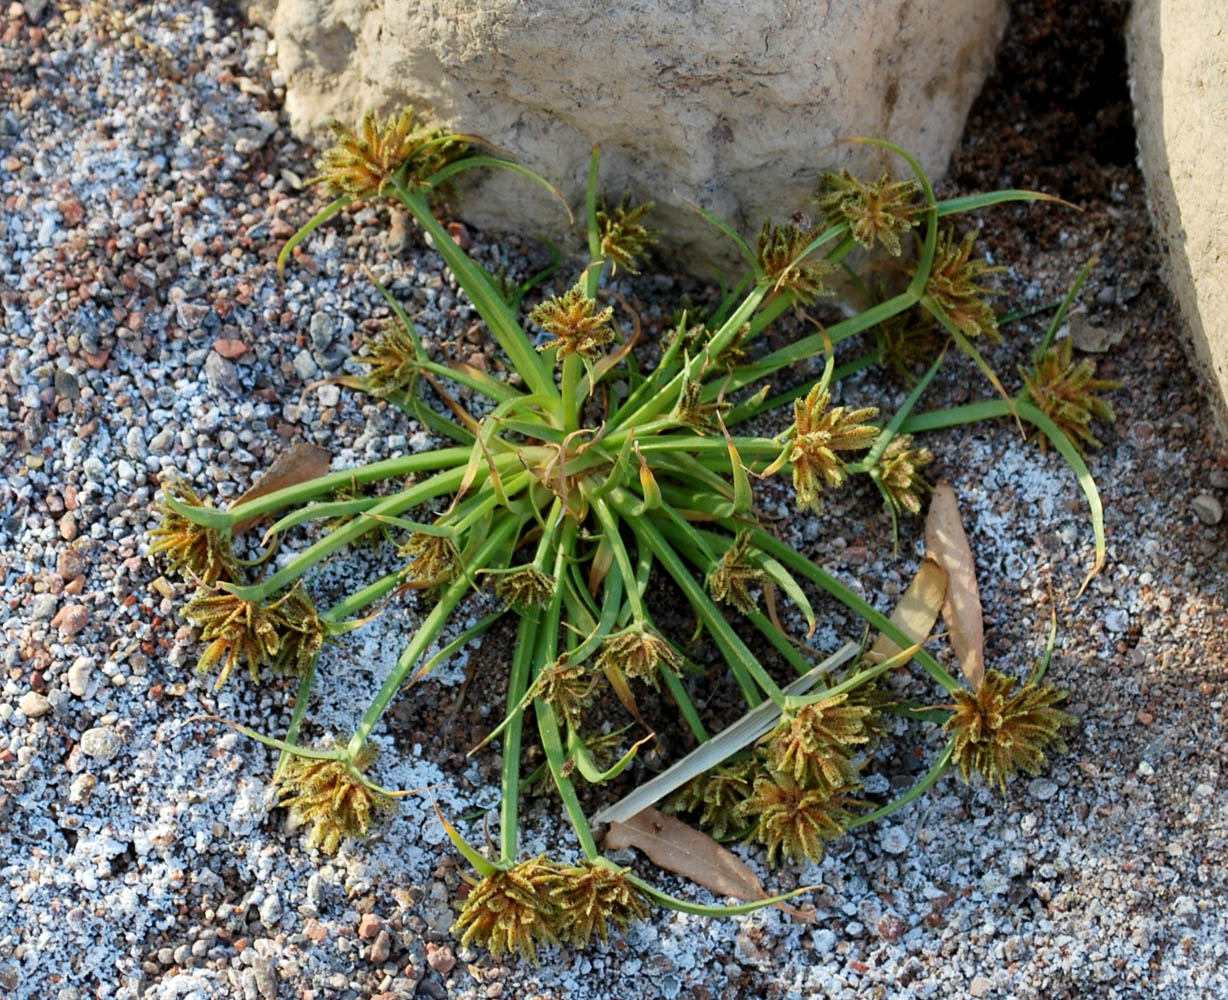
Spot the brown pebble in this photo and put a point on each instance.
(369, 926)
(71, 619)
(382, 948)
(98, 361)
(1145, 718)
(460, 235)
(68, 526)
(70, 564)
(230, 348)
(72, 212)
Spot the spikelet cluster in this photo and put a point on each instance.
(574, 322)
(779, 248)
(878, 213)
(819, 431)
(540, 902)
(954, 286)
(624, 237)
(1066, 391)
(326, 794)
(190, 549)
(999, 731)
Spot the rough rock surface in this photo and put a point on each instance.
(1179, 79)
(723, 105)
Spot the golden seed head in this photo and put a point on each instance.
(953, 286)
(794, 820)
(779, 248)
(730, 580)
(566, 688)
(235, 630)
(638, 654)
(286, 634)
(999, 734)
(899, 472)
(591, 896)
(525, 587)
(326, 794)
(816, 745)
(572, 319)
(624, 237)
(877, 213)
(365, 164)
(390, 358)
(1065, 390)
(691, 411)
(513, 910)
(433, 559)
(717, 796)
(191, 550)
(818, 432)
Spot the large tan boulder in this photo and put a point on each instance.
(1178, 52)
(726, 103)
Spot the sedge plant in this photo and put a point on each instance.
(587, 475)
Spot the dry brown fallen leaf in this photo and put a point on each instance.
(683, 850)
(302, 462)
(916, 612)
(947, 545)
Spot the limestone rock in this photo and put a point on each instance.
(728, 105)
(1178, 52)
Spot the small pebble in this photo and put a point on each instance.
(980, 986)
(79, 676)
(33, 704)
(1207, 508)
(101, 743)
(71, 619)
(893, 839)
(1042, 789)
(369, 926)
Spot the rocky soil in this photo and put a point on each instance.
(148, 182)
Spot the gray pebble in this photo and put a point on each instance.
(101, 743)
(42, 607)
(162, 442)
(1218, 478)
(305, 365)
(66, 384)
(893, 839)
(1117, 620)
(221, 374)
(322, 330)
(1042, 788)
(1207, 508)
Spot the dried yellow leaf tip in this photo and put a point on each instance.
(327, 794)
(877, 213)
(1065, 390)
(999, 732)
(820, 431)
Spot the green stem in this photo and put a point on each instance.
(517, 684)
(389, 468)
(920, 788)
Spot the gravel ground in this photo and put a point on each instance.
(148, 181)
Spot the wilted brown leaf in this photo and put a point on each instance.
(916, 611)
(947, 545)
(685, 851)
(302, 462)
